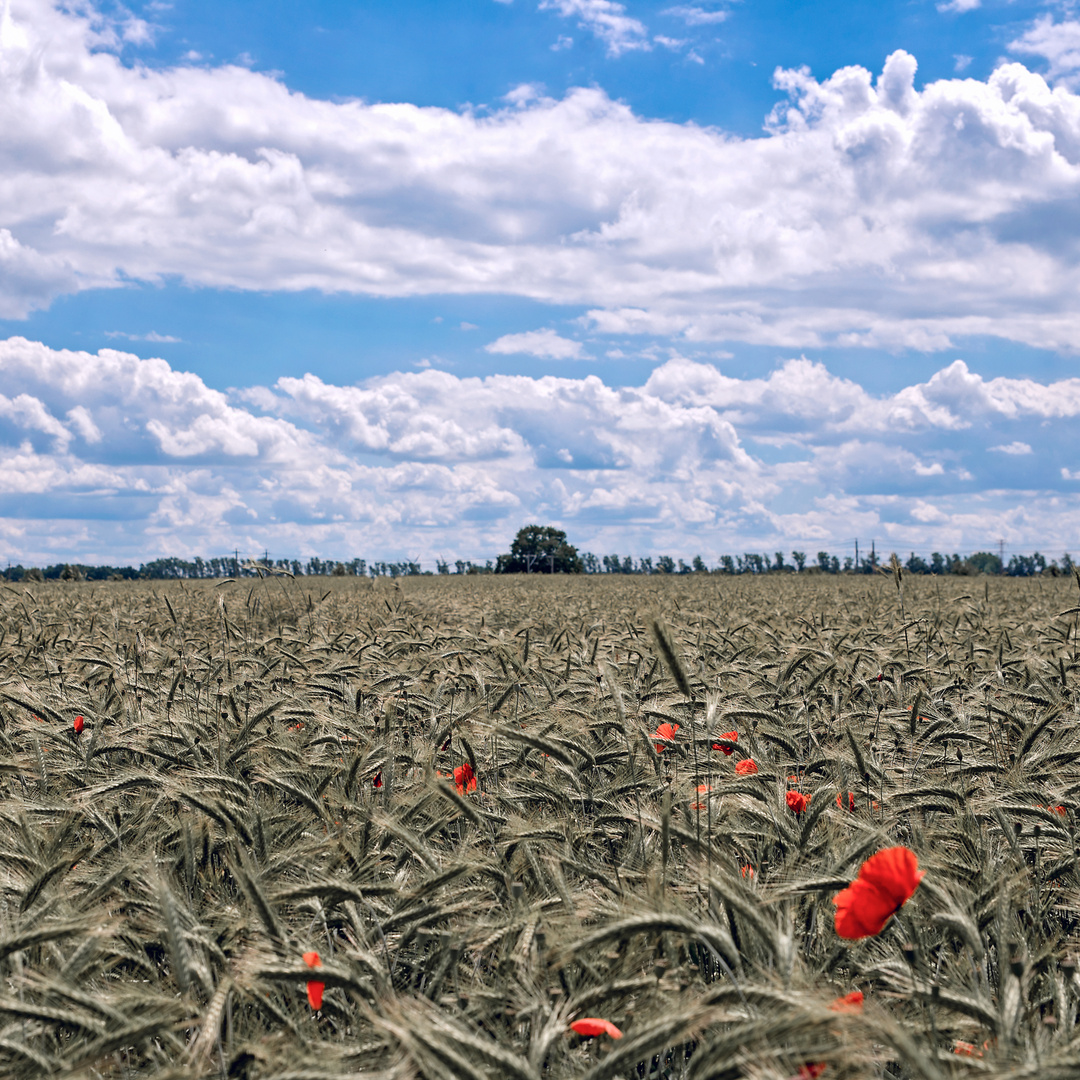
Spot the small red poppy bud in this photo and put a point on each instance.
(376, 780)
(78, 725)
(849, 1003)
(314, 989)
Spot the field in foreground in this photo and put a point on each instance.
(267, 769)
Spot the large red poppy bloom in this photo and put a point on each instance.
(664, 731)
(465, 778)
(797, 802)
(730, 736)
(593, 1025)
(884, 885)
(746, 767)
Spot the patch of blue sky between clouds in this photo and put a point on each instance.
(238, 338)
(438, 52)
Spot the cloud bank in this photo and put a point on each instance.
(869, 213)
(110, 457)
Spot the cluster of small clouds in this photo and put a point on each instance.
(608, 22)
(1057, 43)
(109, 456)
(870, 213)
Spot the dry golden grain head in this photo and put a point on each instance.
(240, 803)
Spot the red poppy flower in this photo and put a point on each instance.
(747, 870)
(664, 731)
(797, 802)
(849, 1003)
(376, 780)
(886, 882)
(702, 789)
(731, 736)
(850, 801)
(464, 778)
(314, 989)
(811, 1071)
(593, 1025)
(78, 725)
(746, 767)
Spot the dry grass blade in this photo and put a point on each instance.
(666, 644)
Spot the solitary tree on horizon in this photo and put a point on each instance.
(540, 549)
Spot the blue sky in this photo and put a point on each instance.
(393, 279)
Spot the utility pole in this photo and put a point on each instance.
(1001, 556)
(856, 556)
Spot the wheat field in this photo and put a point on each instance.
(266, 769)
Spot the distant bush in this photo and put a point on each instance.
(984, 562)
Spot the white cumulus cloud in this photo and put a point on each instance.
(113, 456)
(871, 213)
(546, 344)
(1058, 43)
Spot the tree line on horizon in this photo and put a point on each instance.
(545, 549)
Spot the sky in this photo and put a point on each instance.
(391, 280)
